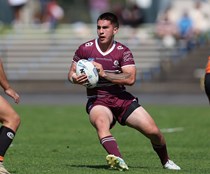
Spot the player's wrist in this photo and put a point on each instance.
(107, 77)
(6, 87)
(104, 75)
(72, 77)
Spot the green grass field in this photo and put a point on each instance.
(60, 139)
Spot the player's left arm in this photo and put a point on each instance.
(126, 77)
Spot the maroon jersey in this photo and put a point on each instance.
(112, 61)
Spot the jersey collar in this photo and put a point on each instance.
(107, 52)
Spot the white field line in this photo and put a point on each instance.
(172, 130)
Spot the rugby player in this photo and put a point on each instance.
(109, 102)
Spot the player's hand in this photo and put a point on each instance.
(100, 69)
(80, 79)
(12, 93)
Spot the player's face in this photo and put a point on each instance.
(106, 31)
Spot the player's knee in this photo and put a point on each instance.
(100, 123)
(13, 120)
(154, 133)
(16, 119)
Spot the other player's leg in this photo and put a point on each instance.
(207, 85)
(10, 123)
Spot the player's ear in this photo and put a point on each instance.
(115, 30)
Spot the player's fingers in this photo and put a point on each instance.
(17, 98)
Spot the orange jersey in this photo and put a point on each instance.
(208, 66)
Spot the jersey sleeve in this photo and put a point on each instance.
(78, 54)
(127, 58)
(84, 51)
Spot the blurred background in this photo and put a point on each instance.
(169, 40)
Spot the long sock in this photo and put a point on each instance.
(110, 145)
(6, 138)
(161, 151)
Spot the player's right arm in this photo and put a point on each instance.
(6, 86)
(74, 78)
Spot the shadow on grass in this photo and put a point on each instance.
(90, 166)
(104, 166)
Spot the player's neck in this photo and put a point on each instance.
(106, 47)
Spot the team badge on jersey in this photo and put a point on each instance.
(116, 63)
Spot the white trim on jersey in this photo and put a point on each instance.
(104, 53)
(128, 65)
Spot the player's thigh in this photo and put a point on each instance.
(101, 116)
(6, 110)
(141, 120)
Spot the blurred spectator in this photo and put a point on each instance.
(132, 16)
(17, 6)
(166, 30)
(145, 4)
(185, 26)
(163, 5)
(200, 19)
(173, 13)
(43, 10)
(117, 9)
(97, 7)
(54, 14)
(186, 30)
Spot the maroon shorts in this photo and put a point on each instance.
(121, 105)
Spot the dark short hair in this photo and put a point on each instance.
(109, 17)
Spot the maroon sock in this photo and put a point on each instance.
(110, 145)
(161, 150)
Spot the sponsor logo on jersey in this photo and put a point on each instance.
(126, 52)
(127, 56)
(88, 44)
(10, 135)
(91, 59)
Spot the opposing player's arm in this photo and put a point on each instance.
(127, 77)
(6, 86)
(73, 78)
(3, 79)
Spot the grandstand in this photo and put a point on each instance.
(35, 59)
(33, 54)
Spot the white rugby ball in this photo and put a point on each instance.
(86, 67)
